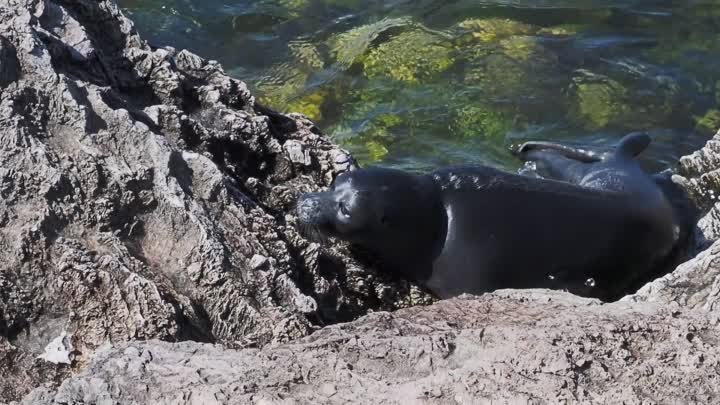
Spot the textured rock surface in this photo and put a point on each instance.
(696, 283)
(142, 203)
(507, 347)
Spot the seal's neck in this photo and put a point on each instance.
(415, 240)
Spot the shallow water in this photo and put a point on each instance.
(417, 84)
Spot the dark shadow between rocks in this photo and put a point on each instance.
(9, 64)
(94, 123)
(179, 169)
(280, 124)
(118, 101)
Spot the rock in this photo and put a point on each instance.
(699, 174)
(696, 283)
(59, 350)
(142, 196)
(507, 347)
(146, 222)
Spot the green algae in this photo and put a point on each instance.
(599, 101)
(369, 145)
(709, 122)
(376, 151)
(412, 56)
(521, 49)
(348, 46)
(604, 102)
(307, 54)
(284, 88)
(508, 68)
(294, 8)
(310, 105)
(495, 29)
(282, 83)
(481, 121)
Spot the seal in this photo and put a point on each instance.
(594, 228)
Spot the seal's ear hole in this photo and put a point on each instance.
(384, 220)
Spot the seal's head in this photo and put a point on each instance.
(396, 215)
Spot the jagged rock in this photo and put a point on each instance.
(146, 238)
(696, 283)
(699, 174)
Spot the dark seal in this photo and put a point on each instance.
(594, 228)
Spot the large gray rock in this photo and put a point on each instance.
(507, 347)
(148, 257)
(143, 196)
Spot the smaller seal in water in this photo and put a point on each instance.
(594, 230)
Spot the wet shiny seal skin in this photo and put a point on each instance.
(595, 227)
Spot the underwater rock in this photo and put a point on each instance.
(412, 56)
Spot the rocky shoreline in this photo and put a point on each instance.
(148, 257)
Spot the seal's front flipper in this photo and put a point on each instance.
(581, 155)
(633, 144)
(556, 161)
(550, 164)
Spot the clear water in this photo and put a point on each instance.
(418, 84)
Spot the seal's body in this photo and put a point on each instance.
(593, 230)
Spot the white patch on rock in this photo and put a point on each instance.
(258, 262)
(59, 351)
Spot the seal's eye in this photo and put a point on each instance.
(343, 209)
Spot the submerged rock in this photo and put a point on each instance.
(412, 56)
(493, 29)
(347, 47)
(624, 100)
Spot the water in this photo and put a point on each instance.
(418, 84)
